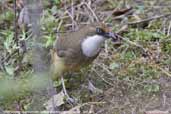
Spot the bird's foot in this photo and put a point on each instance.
(69, 99)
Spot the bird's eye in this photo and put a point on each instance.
(99, 31)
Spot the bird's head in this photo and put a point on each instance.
(105, 31)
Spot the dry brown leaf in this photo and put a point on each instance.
(55, 101)
(118, 12)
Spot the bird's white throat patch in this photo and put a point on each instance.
(91, 45)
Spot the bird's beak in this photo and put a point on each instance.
(111, 35)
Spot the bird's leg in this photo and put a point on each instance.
(63, 86)
(69, 99)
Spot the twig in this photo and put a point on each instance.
(72, 18)
(149, 19)
(123, 15)
(9, 56)
(88, 103)
(156, 66)
(169, 28)
(132, 43)
(72, 13)
(102, 78)
(15, 24)
(94, 14)
(164, 71)
(59, 25)
(104, 67)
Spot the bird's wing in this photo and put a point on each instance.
(68, 45)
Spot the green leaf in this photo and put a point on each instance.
(50, 40)
(9, 70)
(152, 87)
(57, 83)
(114, 66)
(9, 43)
(57, 2)
(140, 8)
(129, 55)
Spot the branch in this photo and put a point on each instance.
(149, 19)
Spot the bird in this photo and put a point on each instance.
(75, 50)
